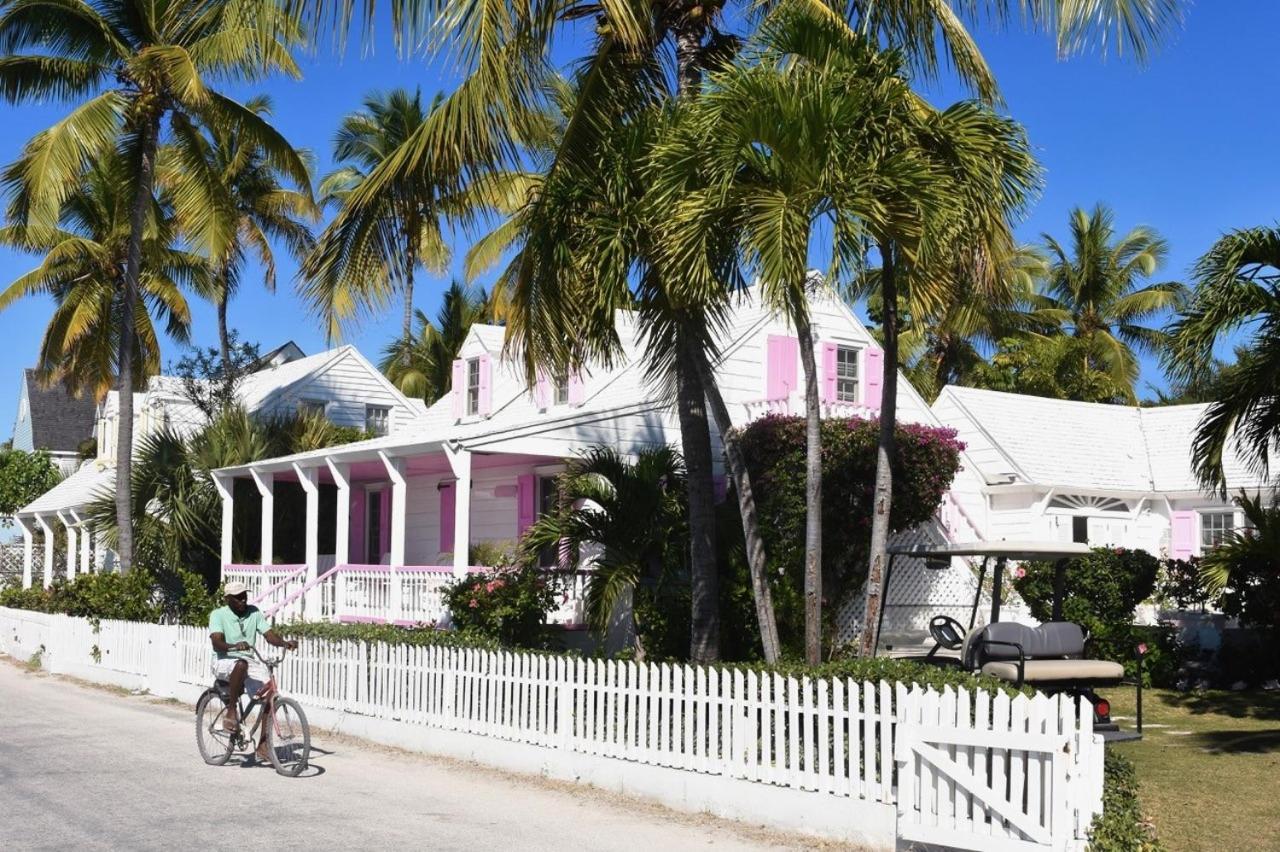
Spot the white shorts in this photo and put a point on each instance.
(253, 682)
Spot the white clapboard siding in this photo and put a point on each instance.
(963, 769)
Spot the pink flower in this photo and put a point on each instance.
(1020, 572)
(1142, 649)
(474, 603)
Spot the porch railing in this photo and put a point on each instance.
(795, 406)
(261, 579)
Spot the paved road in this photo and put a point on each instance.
(87, 768)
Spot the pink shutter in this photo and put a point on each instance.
(459, 388)
(526, 502)
(782, 357)
(872, 377)
(448, 495)
(355, 533)
(1182, 537)
(384, 522)
(828, 372)
(577, 390)
(486, 386)
(542, 391)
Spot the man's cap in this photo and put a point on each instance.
(233, 588)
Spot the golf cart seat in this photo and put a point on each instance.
(1051, 655)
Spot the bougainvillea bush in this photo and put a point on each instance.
(507, 604)
(924, 464)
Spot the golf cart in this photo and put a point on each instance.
(1050, 657)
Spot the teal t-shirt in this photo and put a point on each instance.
(236, 628)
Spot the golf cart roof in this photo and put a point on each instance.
(998, 549)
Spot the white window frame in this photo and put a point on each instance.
(473, 386)
(560, 390)
(318, 406)
(851, 354)
(369, 410)
(1209, 530)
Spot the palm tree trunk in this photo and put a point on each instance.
(224, 338)
(757, 562)
(695, 439)
(812, 496)
(132, 266)
(406, 326)
(883, 498)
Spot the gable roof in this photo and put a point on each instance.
(59, 421)
(1092, 446)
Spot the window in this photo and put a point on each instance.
(473, 386)
(1080, 529)
(846, 374)
(1214, 527)
(560, 396)
(312, 408)
(548, 498)
(377, 419)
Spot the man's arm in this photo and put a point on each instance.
(273, 638)
(222, 646)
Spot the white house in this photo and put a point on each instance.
(1106, 475)
(340, 383)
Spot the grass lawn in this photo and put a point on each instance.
(1208, 766)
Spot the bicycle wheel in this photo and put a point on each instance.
(215, 743)
(289, 738)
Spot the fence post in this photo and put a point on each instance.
(565, 672)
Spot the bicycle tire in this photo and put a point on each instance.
(215, 744)
(288, 738)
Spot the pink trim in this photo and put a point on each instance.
(288, 579)
(457, 389)
(577, 388)
(873, 377)
(373, 619)
(782, 357)
(306, 588)
(448, 508)
(526, 502)
(384, 522)
(542, 391)
(1182, 534)
(408, 569)
(486, 386)
(257, 566)
(829, 372)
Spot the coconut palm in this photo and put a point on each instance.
(629, 514)
(427, 371)
(365, 258)
(127, 66)
(84, 258)
(236, 203)
(1237, 286)
(1096, 282)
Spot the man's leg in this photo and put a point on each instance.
(235, 688)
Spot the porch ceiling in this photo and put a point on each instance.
(372, 470)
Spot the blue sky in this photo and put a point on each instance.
(1185, 145)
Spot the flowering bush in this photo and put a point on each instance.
(508, 605)
(925, 461)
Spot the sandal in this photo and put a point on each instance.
(230, 725)
(260, 754)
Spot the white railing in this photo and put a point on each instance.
(794, 406)
(958, 526)
(261, 579)
(831, 756)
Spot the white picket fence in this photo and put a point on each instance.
(879, 764)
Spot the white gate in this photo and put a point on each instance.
(996, 773)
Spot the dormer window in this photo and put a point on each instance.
(560, 395)
(473, 386)
(377, 420)
(846, 374)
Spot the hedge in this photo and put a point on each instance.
(1121, 827)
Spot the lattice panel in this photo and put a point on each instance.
(917, 594)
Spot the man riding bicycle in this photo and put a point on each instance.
(232, 631)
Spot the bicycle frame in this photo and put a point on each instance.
(264, 699)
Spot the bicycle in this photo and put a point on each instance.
(280, 719)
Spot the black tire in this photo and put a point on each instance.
(289, 738)
(215, 744)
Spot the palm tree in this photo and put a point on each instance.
(632, 512)
(427, 371)
(1237, 286)
(1245, 567)
(236, 203)
(504, 48)
(84, 258)
(127, 65)
(1096, 284)
(361, 265)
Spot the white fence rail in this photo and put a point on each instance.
(874, 763)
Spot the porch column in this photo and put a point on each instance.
(342, 521)
(28, 549)
(48, 549)
(85, 535)
(69, 526)
(225, 490)
(399, 491)
(460, 461)
(266, 483)
(309, 479)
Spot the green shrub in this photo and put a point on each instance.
(1182, 585)
(391, 634)
(138, 595)
(1121, 827)
(1100, 593)
(925, 461)
(508, 605)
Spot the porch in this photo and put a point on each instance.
(382, 528)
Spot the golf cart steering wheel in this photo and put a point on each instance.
(947, 632)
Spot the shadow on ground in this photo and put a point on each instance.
(1252, 704)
